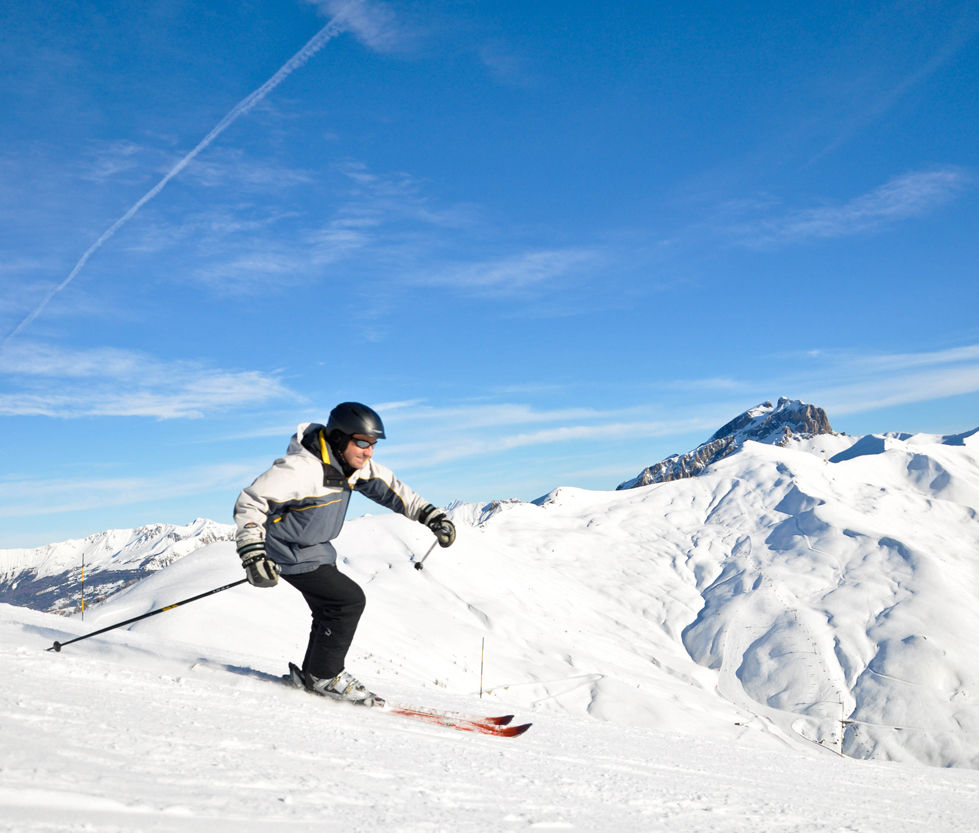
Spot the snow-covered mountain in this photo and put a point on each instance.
(785, 589)
(50, 577)
(788, 421)
(830, 576)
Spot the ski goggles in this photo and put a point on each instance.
(363, 443)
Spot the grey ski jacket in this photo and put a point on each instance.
(298, 506)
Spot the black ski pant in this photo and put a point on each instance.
(336, 602)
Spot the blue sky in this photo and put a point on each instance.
(551, 242)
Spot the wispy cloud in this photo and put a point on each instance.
(453, 445)
(384, 223)
(373, 22)
(862, 382)
(233, 167)
(251, 271)
(910, 195)
(442, 435)
(48, 381)
(490, 415)
(902, 361)
(107, 160)
(215, 231)
(493, 431)
(383, 407)
(850, 382)
(505, 65)
(25, 497)
(379, 208)
(223, 167)
(902, 389)
(841, 382)
(513, 273)
(398, 194)
(17, 276)
(714, 383)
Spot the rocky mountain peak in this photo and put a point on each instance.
(765, 423)
(773, 425)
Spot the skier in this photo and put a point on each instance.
(287, 518)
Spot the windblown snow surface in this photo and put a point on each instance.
(685, 651)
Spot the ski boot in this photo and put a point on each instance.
(341, 687)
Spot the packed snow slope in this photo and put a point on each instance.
(140, 732)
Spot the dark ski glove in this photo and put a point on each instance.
(259, 571)
(434, 518)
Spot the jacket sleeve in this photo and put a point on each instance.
(287, 479)
(379, 484)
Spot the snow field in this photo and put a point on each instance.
(143, 734)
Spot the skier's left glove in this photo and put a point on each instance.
(259, 571)
(434, 518)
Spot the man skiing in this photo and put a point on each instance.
(287, 518)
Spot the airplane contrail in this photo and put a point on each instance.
(317, 42)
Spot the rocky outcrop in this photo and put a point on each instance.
(773, 425)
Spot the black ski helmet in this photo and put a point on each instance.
(353, 418)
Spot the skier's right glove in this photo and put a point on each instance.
(259, 571)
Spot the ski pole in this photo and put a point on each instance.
(59, 645)
(419, 565)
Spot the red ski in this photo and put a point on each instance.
(497, 726)
(500, 720)
(483, 726)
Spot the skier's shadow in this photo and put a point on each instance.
(240, 670)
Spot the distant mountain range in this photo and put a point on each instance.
(50, 578)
